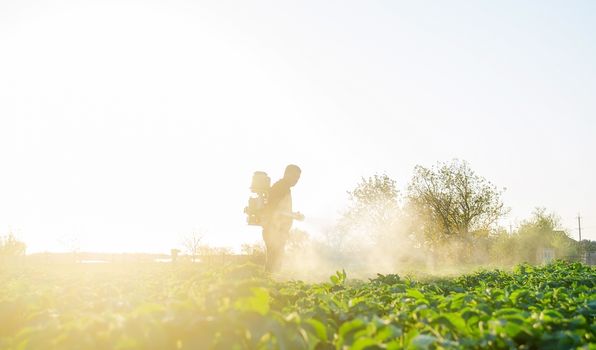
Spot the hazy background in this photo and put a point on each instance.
(126, 124)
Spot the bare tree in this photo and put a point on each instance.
(192, 243)
(11, 246)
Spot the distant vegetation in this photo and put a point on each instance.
(447, 216)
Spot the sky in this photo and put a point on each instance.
(127, 125)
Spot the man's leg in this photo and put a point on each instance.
(279, 250)
(274, 243)
(267, 237)
(274, 254)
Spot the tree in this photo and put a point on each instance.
(450, 200)
(297, 240)
(257, 248)
(373, 209)
(192, 244)
(587, 245)
(255, 251)
(11, 246)
(540, 222)
(543, 230)
(502, 248)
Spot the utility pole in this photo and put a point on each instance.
(583, 257)
(579, 226)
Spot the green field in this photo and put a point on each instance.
(168, 306)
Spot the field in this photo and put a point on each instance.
(168, 306)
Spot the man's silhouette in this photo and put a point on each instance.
(279, 217)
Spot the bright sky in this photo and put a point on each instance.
(125, 124)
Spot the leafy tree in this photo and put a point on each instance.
(373, 209)
(587, 245)
(451, 200)
(11, 246)
(542, 230)
(540, 222)
(501, 248)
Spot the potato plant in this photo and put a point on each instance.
(160, 306)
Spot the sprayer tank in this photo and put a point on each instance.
(260, 182)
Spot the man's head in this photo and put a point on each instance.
(292, 174)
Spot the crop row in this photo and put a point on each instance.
(239, 307)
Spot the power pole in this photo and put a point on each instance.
(579, 226)
(583, 257)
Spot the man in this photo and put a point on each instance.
(279, 217)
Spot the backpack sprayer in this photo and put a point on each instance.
(261, 183)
